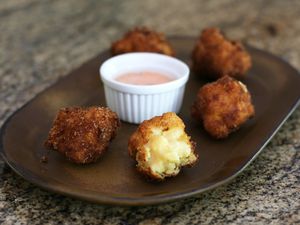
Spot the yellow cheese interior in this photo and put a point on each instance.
(167, 150)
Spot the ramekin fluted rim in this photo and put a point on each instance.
(145, 89)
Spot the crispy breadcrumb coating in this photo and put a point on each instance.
(214, 56)
(142, 40)
(223, 106)
(82, 134)
(161, 147)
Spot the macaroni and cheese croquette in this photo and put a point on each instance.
(223, 106)
(161, 147)
(142, 40)
(214, 56)
(82, 134)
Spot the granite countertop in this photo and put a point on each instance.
(41, 41)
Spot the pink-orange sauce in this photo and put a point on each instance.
(144, 78)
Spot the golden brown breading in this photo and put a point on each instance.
(223, 106)
(82, 134)
(214, 56)
(142, 40)
(161, 147)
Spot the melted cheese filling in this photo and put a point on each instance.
(167, 151)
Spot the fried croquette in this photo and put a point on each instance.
(142, 40)
(161, 147)
(214, 56)
(82, 134)
(223, 106)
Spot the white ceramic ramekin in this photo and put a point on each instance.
(136, 103)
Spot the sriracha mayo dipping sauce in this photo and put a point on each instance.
(141, 85)
(144, 78)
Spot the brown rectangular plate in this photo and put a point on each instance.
(275, 89)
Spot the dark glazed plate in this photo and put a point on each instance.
(275, 87)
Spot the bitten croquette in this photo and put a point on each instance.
(223, 106)
(214, 56)
(142, 40)
(161, 147)
(82, 134)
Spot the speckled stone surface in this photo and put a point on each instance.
(41, 41)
